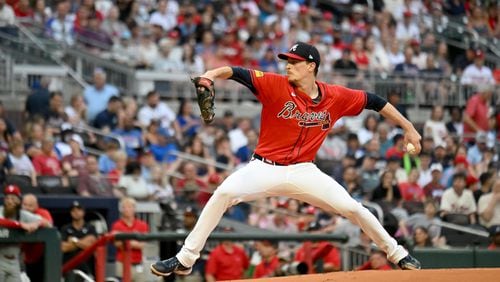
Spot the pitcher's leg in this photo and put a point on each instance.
(319, 189)
(248, 183)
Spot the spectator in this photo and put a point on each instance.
(387, 193)
(93, 37)
(133, 184)
(424, 169)
(191, 62)
(226, 262)
(128, 223)
(165, 15)
(407, 68)
(407, 29)
(159, 188)
(377, 261)
(459, 200)
(189, 123)
(75, 164)
(132, 137)
(489, 206)
(36, 133)
(435, 126)
(345, 64)
(94, 184)
(77, 236)
(47, 163)
(109, 119)
(147, 51)
(476, 151)
(476, 112)
(494, 237)
(34, 252)
(21, 163)
(112, 25)
(56, 116)
(106, 162)
(428, 219)
(124, 50)
(455, 126)
(394, 54)
(269, 259)
(411, 191)
(97, 95)
(477, 73)
(397, 150)
(165, 60)
(61, 25)
(369, 175)
(421, 238)
(197, 192)
(155, 109)
(7, 16)
(434, 189)
(37, 103)
(120, 161)
(322, 259)
(369, 129)
(14, 217)
(76, 112)
(486, 179)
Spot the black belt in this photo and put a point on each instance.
(256, 156)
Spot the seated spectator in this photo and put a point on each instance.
(37, 103)
(369, 175)
(435, 126)
(133, 184)
(198, 188)
(56, 116)
(377, 261)
(394, 54)
(93, 37)
(191, 62)
(21, 163)
(60, 26)
(407, 28)
(92, 183)
(489, 206)
(155, 109)
(227, 261)
(477, 73)
(407, 68)
(75, 163)
(109, 119)
(165, 15)
(76, 112)
(120, 161)
(158, 187)
(327, 261)
(188, 122)
(132, 137)
(421, 238)
(487, 180)
(458, 200)
(165, 61)
(424, 169)
(106, 162)
(46, 163)
(351, 182)
(494, 237)
(428, 219)
(397, 150)
(7, 16)
(434, 189)
(112, 25)
(147, 51)
(387, 192)
(77, 236)
(410, 190)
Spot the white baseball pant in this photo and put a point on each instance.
(304, 182)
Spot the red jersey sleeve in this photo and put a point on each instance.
(346, 101)
(265, 82)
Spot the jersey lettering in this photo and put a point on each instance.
(309, 119)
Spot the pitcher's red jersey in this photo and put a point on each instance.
(293, 127)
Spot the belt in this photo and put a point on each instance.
(256, 156)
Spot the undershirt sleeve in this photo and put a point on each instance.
(243, 77)
(374, 102)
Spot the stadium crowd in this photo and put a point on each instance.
(455, 178)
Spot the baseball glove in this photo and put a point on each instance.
(205, 93)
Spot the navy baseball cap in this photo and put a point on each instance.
(303, 52)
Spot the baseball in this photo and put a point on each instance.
(410, 148)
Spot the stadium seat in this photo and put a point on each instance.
(460, 219)
(24, 183)
(54, 185)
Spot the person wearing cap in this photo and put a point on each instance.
(297, 114)
(434, 189)
(128, 223)
(12, 216)
(488, 206)
(77, 236)
(269, 259)
(477, 73)
(407, 29)
(75, 163)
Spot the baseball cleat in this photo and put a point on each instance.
(169, 266)
(409, 263)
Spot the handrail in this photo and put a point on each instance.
(36, 41)
(461, 228)
(197, 159)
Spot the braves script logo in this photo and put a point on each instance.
(305, 119)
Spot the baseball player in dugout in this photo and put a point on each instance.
(297, 114)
